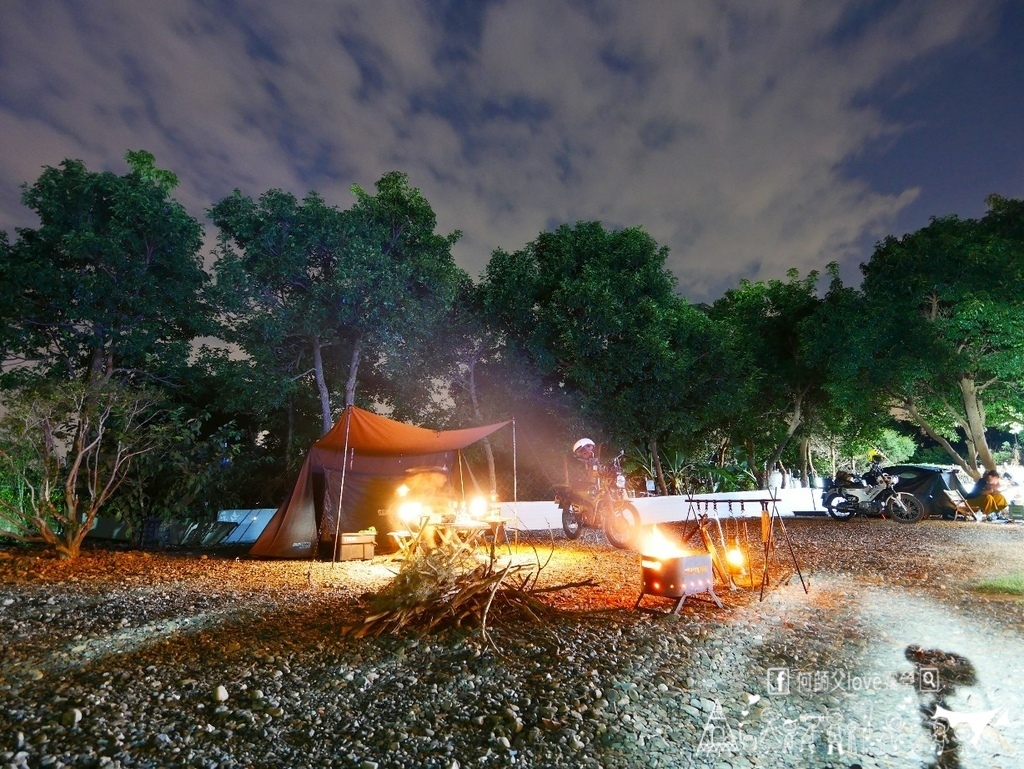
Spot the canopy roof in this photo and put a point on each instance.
(349, 491)
(370, 434)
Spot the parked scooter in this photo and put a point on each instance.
(849, 495)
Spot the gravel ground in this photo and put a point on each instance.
(165, 660)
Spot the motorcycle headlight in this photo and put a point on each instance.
(620, 481)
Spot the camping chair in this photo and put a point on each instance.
(964, 509)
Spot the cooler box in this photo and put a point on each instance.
(356, 547)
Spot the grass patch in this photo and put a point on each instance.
(1012, 584)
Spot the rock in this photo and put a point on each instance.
(71, 717)
(220, 693)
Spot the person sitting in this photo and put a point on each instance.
(986, 497)
(584, 450)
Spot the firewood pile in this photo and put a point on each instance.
(448, 586)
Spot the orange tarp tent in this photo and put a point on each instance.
(352, 471)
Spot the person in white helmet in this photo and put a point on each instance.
(585, 451)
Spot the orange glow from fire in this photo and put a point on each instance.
(657, 545)
(734, 557)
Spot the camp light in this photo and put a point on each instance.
(478, 507)
(734, 558)
(411, 511)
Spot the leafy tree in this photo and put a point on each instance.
(768, 324)
(400, 284)
(947, 336)
(596, 313)
(278, 270)
(108, 294)
(70, 446)
(337, 296)
(182, 478)
(852, 416)
(111, 282)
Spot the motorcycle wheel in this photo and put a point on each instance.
(839, 507)
(572, 521)
(904, 508)
(621, 521)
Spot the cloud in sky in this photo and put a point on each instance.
(747, 137)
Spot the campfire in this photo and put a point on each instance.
(671, 571)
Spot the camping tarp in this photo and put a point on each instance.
(380, 453)
(928, 483)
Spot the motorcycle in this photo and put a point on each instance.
(602, 506)
(851, 495)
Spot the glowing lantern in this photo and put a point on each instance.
(736, 560)
(478, 507)
(410, 512)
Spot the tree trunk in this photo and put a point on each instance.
(759, 472)
(289, 446)
(353, 371)
(805, 462)
(658, 472)
(924, 424)
(795, 419)
(321, 385)
(975, 411)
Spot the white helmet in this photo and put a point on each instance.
(581, 443)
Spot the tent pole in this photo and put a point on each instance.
(341, 491)
(462, 481)
(515, 484)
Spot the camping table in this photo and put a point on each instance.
(461, 534)
(406, 541)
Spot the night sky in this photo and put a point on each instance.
(748, 137)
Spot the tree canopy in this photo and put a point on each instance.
(947, 327)
(110, 282)
(317, 306)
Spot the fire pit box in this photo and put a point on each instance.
(356, 547)
(677, 577)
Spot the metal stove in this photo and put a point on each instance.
(677, 577)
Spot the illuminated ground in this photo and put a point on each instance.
(116, 660)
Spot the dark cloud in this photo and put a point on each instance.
(747, 137)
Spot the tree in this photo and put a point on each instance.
(107, 296)
(948, 327)
(596, 313)
(111, 282)
(279, 268)
(767, 324)
(344, 296)
(70, 446)
(400, 284)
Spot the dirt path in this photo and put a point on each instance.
(852, 673)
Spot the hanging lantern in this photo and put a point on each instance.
(735, 559)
